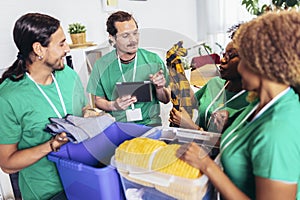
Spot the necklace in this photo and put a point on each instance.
(127, 61)
(134, 68)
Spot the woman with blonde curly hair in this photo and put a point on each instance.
(260, 151)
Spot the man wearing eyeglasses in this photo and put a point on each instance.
(128, 63)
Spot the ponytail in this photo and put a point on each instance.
(16, 71)
(29, 28)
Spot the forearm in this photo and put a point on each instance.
(163, 94)
(186, 122)
(8, 171)
(104, 104)
(192, 125)
(222, 183)
(23, 158)
(194, 101)
(182, 118)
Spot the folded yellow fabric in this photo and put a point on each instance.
(137, 151)
(154, 155)
(165, 161)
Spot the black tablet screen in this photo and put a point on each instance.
(142, 90)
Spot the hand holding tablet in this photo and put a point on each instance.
(141, 90)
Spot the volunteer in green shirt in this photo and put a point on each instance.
(219, 96)
(128, 63)
(37, 86)
(260, 151)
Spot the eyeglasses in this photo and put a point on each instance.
(126, 35)
(228, 55)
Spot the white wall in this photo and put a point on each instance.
(174, 15)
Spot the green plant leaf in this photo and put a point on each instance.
(252, 6)
(291, 3)
(76, 28)
(277, 3)
(220, 47)
(204, 49)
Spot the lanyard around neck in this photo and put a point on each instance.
(234, 129)
(213, 101)
(134, 68)
(226, 102)
(48, 99)
(268, 105)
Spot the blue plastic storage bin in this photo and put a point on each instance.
(84, 168)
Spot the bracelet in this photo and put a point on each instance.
(52, 147)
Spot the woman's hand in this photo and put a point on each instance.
(193, 154)
(182, 118)
(219, 119)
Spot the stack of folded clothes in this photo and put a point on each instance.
(79, 129)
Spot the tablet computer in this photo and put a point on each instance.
(141, 90)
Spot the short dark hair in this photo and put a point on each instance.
(119, 16)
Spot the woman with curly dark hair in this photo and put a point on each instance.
(260, 151)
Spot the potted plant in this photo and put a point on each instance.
(253, 7)
(78, 33)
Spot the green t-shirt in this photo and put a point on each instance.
(209, 93)
(106, 73)
(267, 147)
(24, 115)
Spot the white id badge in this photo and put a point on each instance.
(134, 114)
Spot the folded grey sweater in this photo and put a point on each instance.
(79, 129)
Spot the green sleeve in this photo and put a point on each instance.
(10, 128)
(79, 93)
(200, 92)
(94, 86)
(274, 154)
